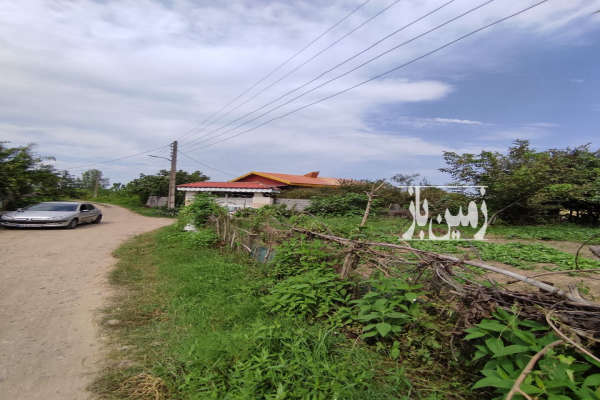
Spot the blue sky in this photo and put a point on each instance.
(93, 81)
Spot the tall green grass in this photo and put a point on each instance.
(196, 318)
(133, 203)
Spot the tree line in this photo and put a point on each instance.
(524, 186)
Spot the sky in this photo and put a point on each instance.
(104, 84)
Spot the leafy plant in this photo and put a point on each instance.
(297, 256)
(200, 209)
(313, 293)
(200, 238)
(347, 204)
(388, 307)
(507, 343)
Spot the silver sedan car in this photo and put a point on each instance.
(52, 214)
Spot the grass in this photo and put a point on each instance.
(520, 255)
(133, 203)
(193, 323)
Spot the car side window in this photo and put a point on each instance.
(91, 207)
(83, 207)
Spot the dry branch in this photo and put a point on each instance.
(517, 385)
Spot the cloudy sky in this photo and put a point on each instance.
(93, 81)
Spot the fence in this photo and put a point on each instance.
(258, 245)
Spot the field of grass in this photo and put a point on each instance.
(520, 255)
(132, 203)
(195, 327)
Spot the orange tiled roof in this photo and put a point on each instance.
(310, 179)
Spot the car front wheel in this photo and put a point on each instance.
(73, 223)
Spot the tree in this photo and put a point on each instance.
(93, 180)
(158, 185)
(25, 178)
(405, 179)
(525, 185)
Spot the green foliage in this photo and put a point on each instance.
(569, 232)
(347, 204)
(199, 323)
(131, 202)
(521, 255)
(312, 294)
(200, 238)
(26, 179)
(199, 210)
(298, 255)
(534, 186)
(507, 343)
(387, 307)
(158, 184)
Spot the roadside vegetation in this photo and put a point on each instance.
(197, 321)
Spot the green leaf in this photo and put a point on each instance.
(411, 296)
(495, 345)
(493, 381)
(513, 349)
(592, 380)
(475, 333)
(383, 328)
(492, 325)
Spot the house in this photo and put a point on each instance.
(257, 189)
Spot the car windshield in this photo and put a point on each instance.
(52, 207)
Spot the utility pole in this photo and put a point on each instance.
(96, 184)
(172, 187)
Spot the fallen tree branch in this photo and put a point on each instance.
(444, 257)
(568, 339)
(516, 388)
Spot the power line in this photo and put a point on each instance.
(273, 71)
(370, 60)
(119, 158)
(205, 165)
(331, 45)
(383, 74)
(258, 82)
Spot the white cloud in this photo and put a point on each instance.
(457, 121)
(93, 81)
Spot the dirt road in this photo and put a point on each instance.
(52, 282)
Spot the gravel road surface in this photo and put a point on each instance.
(52, 284)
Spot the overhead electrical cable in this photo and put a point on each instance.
(383, 74)
(209, 119)
(316, 55)
(363, 64)
(258, 82)
(205, 165)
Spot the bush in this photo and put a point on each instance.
(198, 239)
(340, 205)
(389, 306)
(313, 293)
(297, 256)
(197, 213)
(507, 343)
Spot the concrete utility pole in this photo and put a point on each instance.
(172, 187)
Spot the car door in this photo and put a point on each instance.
(94, 212)
(85, 213)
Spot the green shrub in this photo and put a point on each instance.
(298, 255)
(309, 362)
(507, 343)
(200, 238)
(200, 209)
(387, 307)
(313, 293)
(347, 204)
